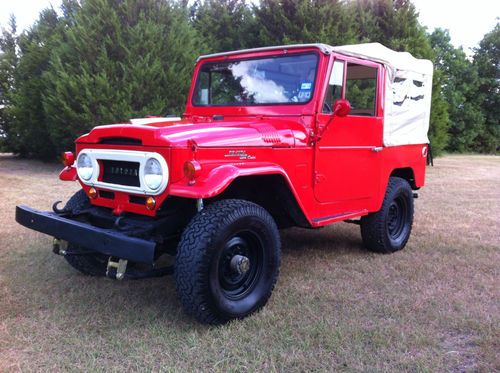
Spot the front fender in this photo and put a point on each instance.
(68, 174)
(219, 178)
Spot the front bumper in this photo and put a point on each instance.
(105, 241)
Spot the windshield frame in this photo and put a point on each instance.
(279, 54)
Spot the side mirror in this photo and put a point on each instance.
(341, 108)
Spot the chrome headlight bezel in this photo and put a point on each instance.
(127, 156)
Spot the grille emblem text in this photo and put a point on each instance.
(124, 171)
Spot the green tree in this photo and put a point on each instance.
(225, 25)
(304, 21)
(393, 23)
(439, 121)
(460, 85)
(8, 63)
(487, 62)
(28, 120)
(119, 59)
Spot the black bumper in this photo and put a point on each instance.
(106, 241)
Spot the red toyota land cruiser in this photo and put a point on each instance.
(297, 135)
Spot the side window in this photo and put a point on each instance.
(335, 85)
(361, 89)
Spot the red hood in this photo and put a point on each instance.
(242, 133)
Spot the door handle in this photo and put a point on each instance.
(377, 149)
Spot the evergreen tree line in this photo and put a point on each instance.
(106, 61)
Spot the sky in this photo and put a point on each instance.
(467, 21)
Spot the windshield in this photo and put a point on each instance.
(271, 80)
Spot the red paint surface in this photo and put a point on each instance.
(68, 174)
(328, 162)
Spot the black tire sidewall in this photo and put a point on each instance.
(204, 240)
(265, 279)
(374, 225)
(406, 194)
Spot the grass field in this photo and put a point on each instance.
(433, 307)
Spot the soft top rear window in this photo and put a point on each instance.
(276, 80)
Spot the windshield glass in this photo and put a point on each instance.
(271, 80)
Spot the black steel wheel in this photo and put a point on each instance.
(397, 218)
(240, 264)
(227, 261)
(388, 229)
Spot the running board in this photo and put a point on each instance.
(338, 217)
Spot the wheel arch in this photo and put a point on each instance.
(407, 174)
(278, 199)
(231, 182)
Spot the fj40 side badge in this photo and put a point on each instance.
(303, 135)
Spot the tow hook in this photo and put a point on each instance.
(59, 247)
(120, 266)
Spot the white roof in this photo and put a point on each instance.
(323, 47)
(379, 53)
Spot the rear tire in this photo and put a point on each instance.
(89, 264)
(388, 229)
(227, 261)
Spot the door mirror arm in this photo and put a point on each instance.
(341, 108)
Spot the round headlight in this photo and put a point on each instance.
(84, 167)
(153, 174)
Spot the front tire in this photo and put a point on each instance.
(227, 261)
(388, 229)
(94, 264)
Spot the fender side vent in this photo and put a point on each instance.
(120, 141)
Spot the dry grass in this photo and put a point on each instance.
(432, 307)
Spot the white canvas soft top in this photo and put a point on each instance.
(392, 59)
(408, 91)
(408, 87)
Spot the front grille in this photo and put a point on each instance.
(121, 173)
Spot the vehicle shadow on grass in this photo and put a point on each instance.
(96, 304)
(336, 240)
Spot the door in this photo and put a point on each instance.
(347, 163)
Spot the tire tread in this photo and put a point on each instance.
(373, 231)
(194, 256)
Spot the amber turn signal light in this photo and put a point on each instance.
(68, 158)
(150, 203)
(192, 170)
(92, 193)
